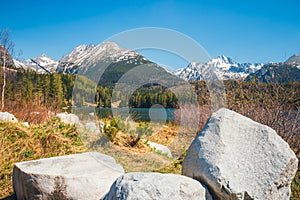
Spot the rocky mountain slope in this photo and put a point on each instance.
(294, 60)
(288, 71)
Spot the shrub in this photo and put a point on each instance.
(143, 130)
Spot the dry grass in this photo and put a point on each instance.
(140, 157)
(19, 143)
(296, 187)
(31, 112)
(165, 135)
(133, 161)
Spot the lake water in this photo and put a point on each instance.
(139, 114)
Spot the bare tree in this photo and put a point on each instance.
(6, 51)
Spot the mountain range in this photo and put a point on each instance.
(276, 72)
(224, 68)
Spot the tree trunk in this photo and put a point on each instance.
(4, 81)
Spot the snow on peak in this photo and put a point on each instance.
(44, 60)
(223, 60)
(110, 46)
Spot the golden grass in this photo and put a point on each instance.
(140, 157)
(165, 135)
(133, 161)
(19, 143)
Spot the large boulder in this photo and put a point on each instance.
(7, 117)
(155, 186)
(237, 158)
(78, 176)
(68, 118)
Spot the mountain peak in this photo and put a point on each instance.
(89, 55)
(83, 47)
(223, 59)
(109, 46)
(43, 55)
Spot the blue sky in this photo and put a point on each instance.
(247, 31)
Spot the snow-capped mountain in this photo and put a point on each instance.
(224, 68)
(83, 56)
(89, 55)
(41, 64)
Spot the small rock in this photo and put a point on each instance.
(7, 117)
(78, 176)
(155, 186)
(92, 114)
(160, 148)
(237, 158)
(68, 118)
(26, 124)
(92, 127)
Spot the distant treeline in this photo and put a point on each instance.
(55, 91)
